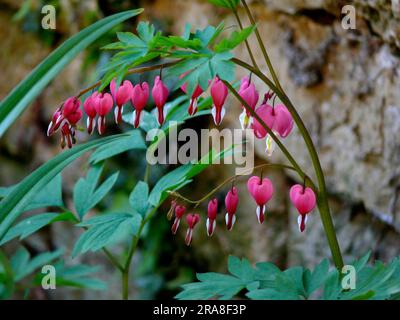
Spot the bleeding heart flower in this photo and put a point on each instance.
(103, 103)
(211, 216)
(70, 107)
(68, 112)
(171, 209)
(249, 94)
(139, 97)
(179, 212)
(261, 191)
(90, 110)
(160, 95)
(219, 92)
(304, 200)
(277, 118)
(192, 219)
(121, 96)
(195, 95)
(231, 202)
(66, 117)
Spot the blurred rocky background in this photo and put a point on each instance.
(344, 83)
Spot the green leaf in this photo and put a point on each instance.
(76, 276)
(49, 196)
(203, 70)
(130, 39)
(317, 278)
(138, 198)
(103, 230)
(267, 282)
(14, 203)
(271, 294)
(133, 141)
(168, 182)
(229, 4)
(236, 38)
(27, 90)
(241, 268)
(86, 196)
(332, 286)
(23, 266)
(30, 225)
(136, 50)
(222, 286)
(211, 285)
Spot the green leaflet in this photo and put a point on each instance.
(34, 223)
(105, 229)
(86, 192)
(138, 199)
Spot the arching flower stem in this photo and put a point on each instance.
(322, 198)
(231, 179)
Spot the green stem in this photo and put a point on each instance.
(253, 60)
(9, 283)
(112, 259)
(323, 205)
(125, 285)
(235, 177)
(147, 173)
(262, 46)
(135, 240)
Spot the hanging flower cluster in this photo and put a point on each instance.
(261, 190)
(99, 104)
(66, 118)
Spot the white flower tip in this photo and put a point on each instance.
(260, 211)
(302, 223)
(230, 221)
(210, 228)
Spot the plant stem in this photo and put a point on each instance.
(261, 43)
(112, 259)
(232, 178)
(147, 173)
(8, 280)
(323, 205)
(253, 60)
(125, 285)
(134, 243)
